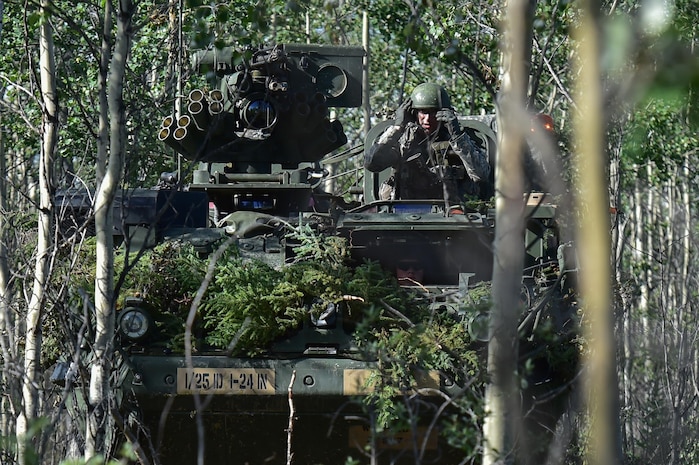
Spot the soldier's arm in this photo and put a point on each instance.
(474, 158)
(385, 152)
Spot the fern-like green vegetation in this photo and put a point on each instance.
(247, 305)
(254, 292)
(248, 299)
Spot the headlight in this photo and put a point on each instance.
(477, 326)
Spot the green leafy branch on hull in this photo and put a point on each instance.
(276, 301)
(253, 290)
(408, 332)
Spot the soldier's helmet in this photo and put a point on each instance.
(430, 95)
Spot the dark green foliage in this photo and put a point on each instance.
(256, 304)
(407, 339)
(659, 135)
(250, 290)
(166, 276)
(74, 279)
(248, 305)
(373, 285)
(313, 246)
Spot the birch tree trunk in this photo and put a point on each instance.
(502, 397)
(8, 350)
(679, 332)
(621, 302)
(98, 421)
(32, 347)
(636, 323)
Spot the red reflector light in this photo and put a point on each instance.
(542, 121)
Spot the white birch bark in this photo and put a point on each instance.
(32, 348)
(8, 350)
(99, 422)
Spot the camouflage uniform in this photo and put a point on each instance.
(436, 167)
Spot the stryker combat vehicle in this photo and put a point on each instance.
(260, 144)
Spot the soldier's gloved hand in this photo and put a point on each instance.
(448, 118)
(403, 113)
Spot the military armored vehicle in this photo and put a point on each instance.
(260, 144)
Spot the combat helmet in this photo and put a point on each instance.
(430, 95)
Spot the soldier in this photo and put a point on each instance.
(431, 156)
(410, 272)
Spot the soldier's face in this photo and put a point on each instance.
(427, 119)
(409, 272)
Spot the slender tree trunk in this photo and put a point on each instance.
(672, 334)
(8, 350)
(7, 345)
(502, 398)
(174, 52)
(680, 333)
(636, 322)
(32, 347)
(620, 303)
(103, 117)
(594, 244)
(98, 424)
(96, 413)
